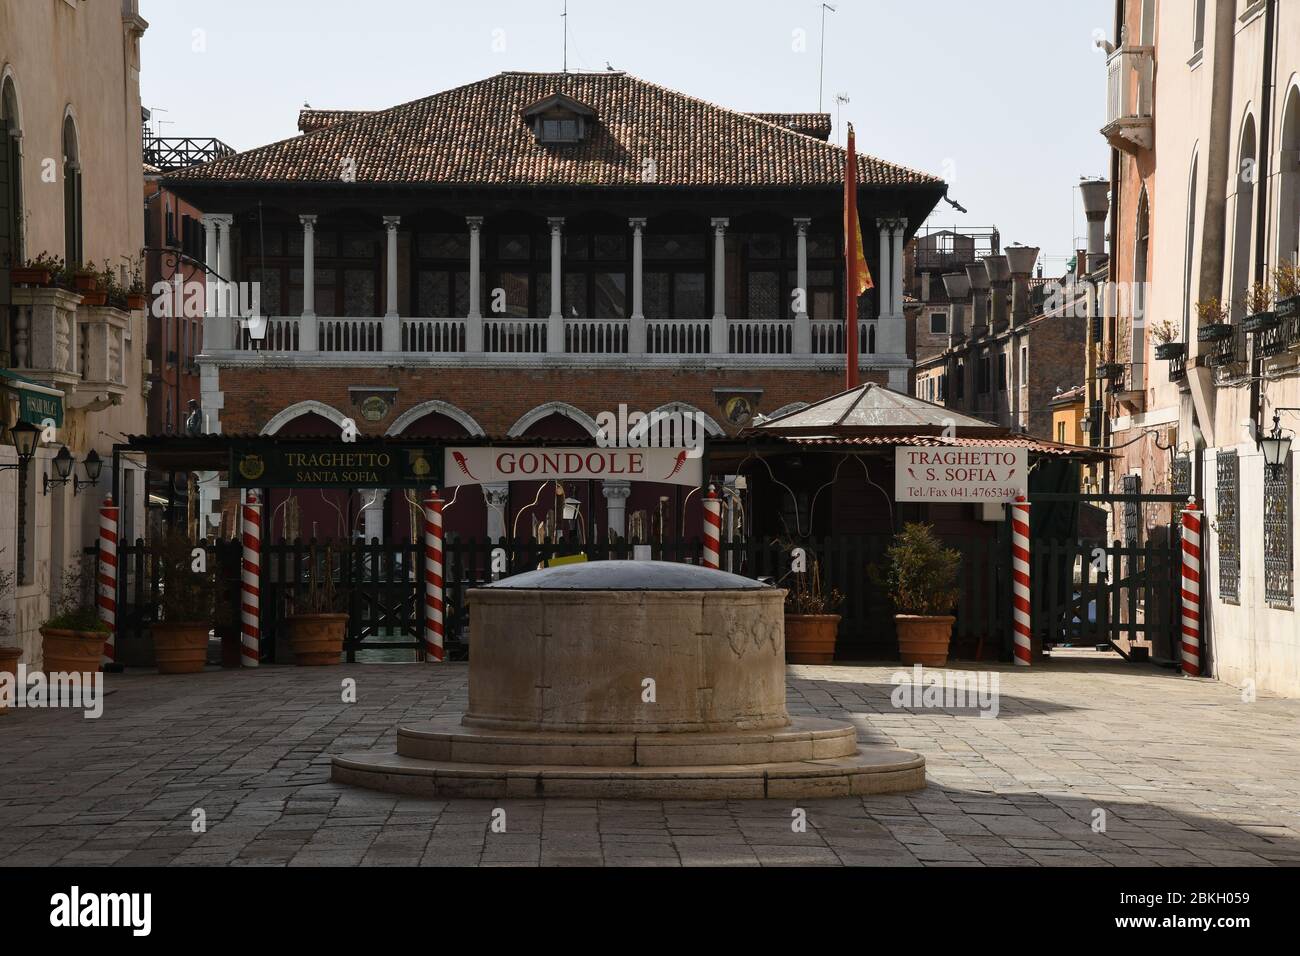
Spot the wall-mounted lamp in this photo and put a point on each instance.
(64, 465)
(1276, 447)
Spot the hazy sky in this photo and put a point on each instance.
(1003, 98)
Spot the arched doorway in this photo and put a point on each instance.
(465, 508)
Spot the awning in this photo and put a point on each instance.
(37, 403)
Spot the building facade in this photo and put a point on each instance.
(70, 187)
(1222, 216)
(518, 255)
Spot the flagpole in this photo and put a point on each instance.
(851, 264)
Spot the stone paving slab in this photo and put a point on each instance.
(1185, 772)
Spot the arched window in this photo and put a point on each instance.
(1288, 210)
(1189, 252)
(1245, 175)
(1138, 298)
(11, 180)
(72, 225)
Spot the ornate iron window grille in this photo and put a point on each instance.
(1228, 524)
(1278, 574)
(1181, 477)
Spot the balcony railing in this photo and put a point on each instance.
(767, 340)
(1129, 98)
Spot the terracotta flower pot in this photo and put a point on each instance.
(135, 301)
(9, 665)
(317, 639)
(85, 281)
(180, 648)
(94, 297)
(31, 275)
(923, 640)
(71, 651)
(810, 638)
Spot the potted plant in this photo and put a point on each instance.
(84, 277)
(922, 583)
(135, 295)
(73, 637)
(180, 636)
(1286, 285)
(1164, 332)
(811, 624)
(1258, 303)
(1107, 367)
(9, 649)
(37, 272)
(318, 624)
(1212, 319)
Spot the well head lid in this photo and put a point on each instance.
(628, 576)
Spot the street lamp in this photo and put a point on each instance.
(24, 436)
(1276, 447)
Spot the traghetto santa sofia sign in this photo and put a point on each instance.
(971, 473)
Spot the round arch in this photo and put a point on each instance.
(436, 407)
(1243, 213)
(297, 410)
(711, 426)
(531, 418)
(1288, 210)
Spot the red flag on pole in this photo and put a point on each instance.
(857, 277)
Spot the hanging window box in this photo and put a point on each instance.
(1170, 350)
(1259, 322)
(1286, 308)
(1215, 332)
(1108, 370)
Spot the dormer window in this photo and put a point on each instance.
(559, 119)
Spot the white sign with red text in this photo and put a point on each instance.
(477, 465)
(973, 473)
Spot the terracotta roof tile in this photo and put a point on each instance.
(475, 135)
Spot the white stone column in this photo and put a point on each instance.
(216, 330)
(636, 339)
(616, 493)
(883, 295)
(474, 320)
(392, 322)
(718, 330)
(497, 496)
(802, 328)
(896, 262)
(555, 323)
(226, 305)
(307, 324)
(374, 515)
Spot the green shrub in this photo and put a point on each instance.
(922, 576)
(75, 609)
(187, 595)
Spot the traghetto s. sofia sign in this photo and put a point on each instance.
(478, 465)
(972, 473)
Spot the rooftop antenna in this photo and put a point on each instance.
(840, 100)
(565, 17)
(821, 65)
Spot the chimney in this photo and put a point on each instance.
(1021, 260)
(1080, 264)
(957, 285)
(979, 291)
(1096, 203)
(999, 272)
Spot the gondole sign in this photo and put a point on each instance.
(972, 473)
(477, 465)
(334, 465)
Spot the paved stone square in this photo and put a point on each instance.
(1187, 773)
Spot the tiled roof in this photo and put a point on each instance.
(310, 120)
(816, 125)
(875, 407)
(475, 135)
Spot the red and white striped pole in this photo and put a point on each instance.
(1021, 608)
(712, 529)
(106, 592)
(251, 584)
(1191, 590)
(433, 591)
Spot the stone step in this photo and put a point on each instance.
(448, 740)
(871, 770)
